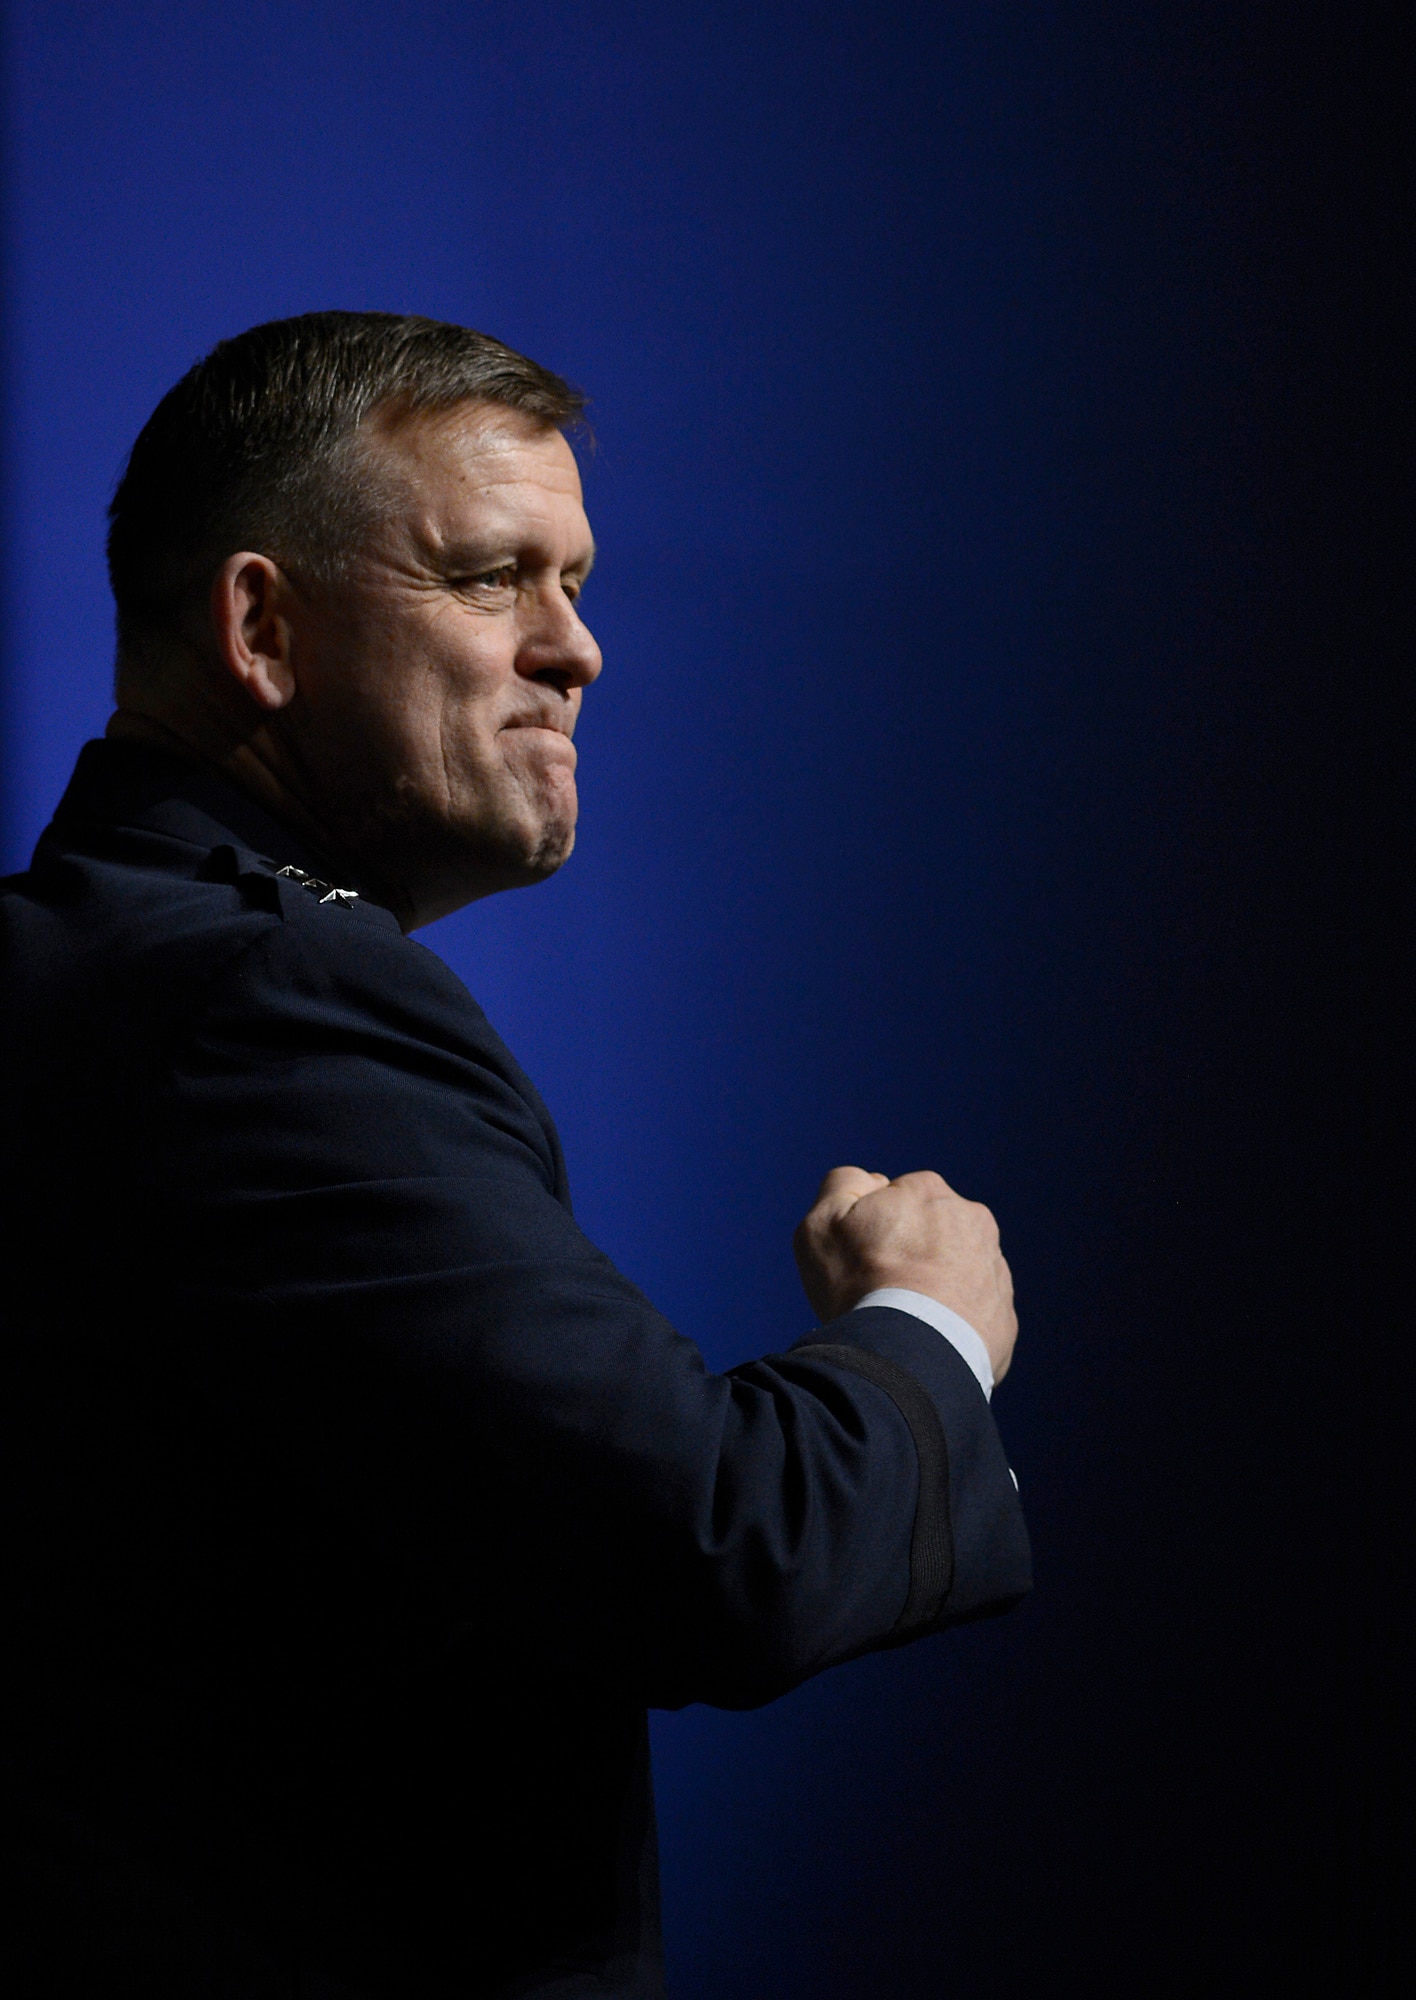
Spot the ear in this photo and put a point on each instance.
(251, 601)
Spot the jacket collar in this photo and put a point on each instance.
(134, 785)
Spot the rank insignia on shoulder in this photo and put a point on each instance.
(324, 891)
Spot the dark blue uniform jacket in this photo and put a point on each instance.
(359, 1507)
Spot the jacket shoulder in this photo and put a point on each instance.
(130, 945)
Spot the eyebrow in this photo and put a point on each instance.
(481, 555)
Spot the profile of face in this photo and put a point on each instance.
(427, 707)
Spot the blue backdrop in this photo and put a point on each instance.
(985, 407)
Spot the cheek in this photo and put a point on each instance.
(420, 693)
(443, 711)
(465, 685)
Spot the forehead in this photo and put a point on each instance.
(475, 468)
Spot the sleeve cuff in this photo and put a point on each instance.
(959, 1334)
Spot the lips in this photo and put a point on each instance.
(551, 724)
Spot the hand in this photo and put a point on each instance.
(866, 1231)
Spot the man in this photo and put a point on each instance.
(361, 1505)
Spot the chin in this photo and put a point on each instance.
(553, 848)
(483, 869)
(439, 864)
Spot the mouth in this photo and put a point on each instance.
(544, 725)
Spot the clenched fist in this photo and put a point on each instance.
(867, 1231)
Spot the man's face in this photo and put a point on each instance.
(440, 681)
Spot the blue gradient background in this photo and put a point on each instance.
(986, 516)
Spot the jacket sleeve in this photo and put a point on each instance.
(375, 1280)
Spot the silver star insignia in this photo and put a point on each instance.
(324, 891)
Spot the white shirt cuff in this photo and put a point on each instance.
(959, 1334)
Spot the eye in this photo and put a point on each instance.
(500, 578)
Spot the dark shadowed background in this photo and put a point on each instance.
(996, 766)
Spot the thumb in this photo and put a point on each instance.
(842, 1188)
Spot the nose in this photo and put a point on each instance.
(557, 648)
